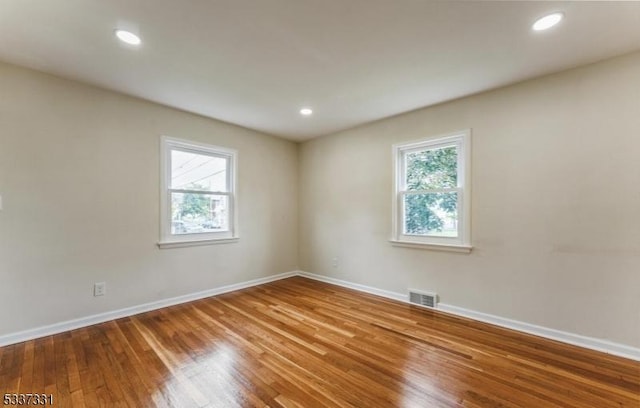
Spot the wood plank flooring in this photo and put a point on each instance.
(302, 343)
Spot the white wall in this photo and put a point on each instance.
(555, 205)
(79, 179)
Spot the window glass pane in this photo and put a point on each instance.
(195, 213)
(192, 171)
(432, 214)
(432, 168)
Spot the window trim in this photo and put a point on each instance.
(168, 240)
(462, 243)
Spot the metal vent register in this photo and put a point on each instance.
(423, 298)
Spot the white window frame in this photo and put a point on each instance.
(169, 240)
(462, 243)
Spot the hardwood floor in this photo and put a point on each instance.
(302, 343)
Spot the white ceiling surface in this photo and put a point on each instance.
(255, 63)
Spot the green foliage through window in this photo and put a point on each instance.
(431, 212)
(195, 206)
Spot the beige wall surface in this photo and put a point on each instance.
(79, 180)
(555, 203)
(555, 220)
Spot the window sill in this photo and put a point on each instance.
(466, 249)
(182, 244)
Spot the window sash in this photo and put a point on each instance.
(426, 147)
(403, 212)
(230, 215)
(203, 152)
(178, 190)
(430, 191)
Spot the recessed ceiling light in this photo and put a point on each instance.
(128, 37)
(547, 22)
(306, 111)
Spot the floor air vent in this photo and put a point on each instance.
(425, 299)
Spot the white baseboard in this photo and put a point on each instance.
(592, 343)
(565, 337)
(362, 288)
(56, 328)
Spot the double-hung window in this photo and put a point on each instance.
(431, 204)
(198, 202)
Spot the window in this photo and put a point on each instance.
(431, 205)
(198, 194)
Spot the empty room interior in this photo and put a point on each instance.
(338, 203)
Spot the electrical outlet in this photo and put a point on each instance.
(335, 261)
(99, 289)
